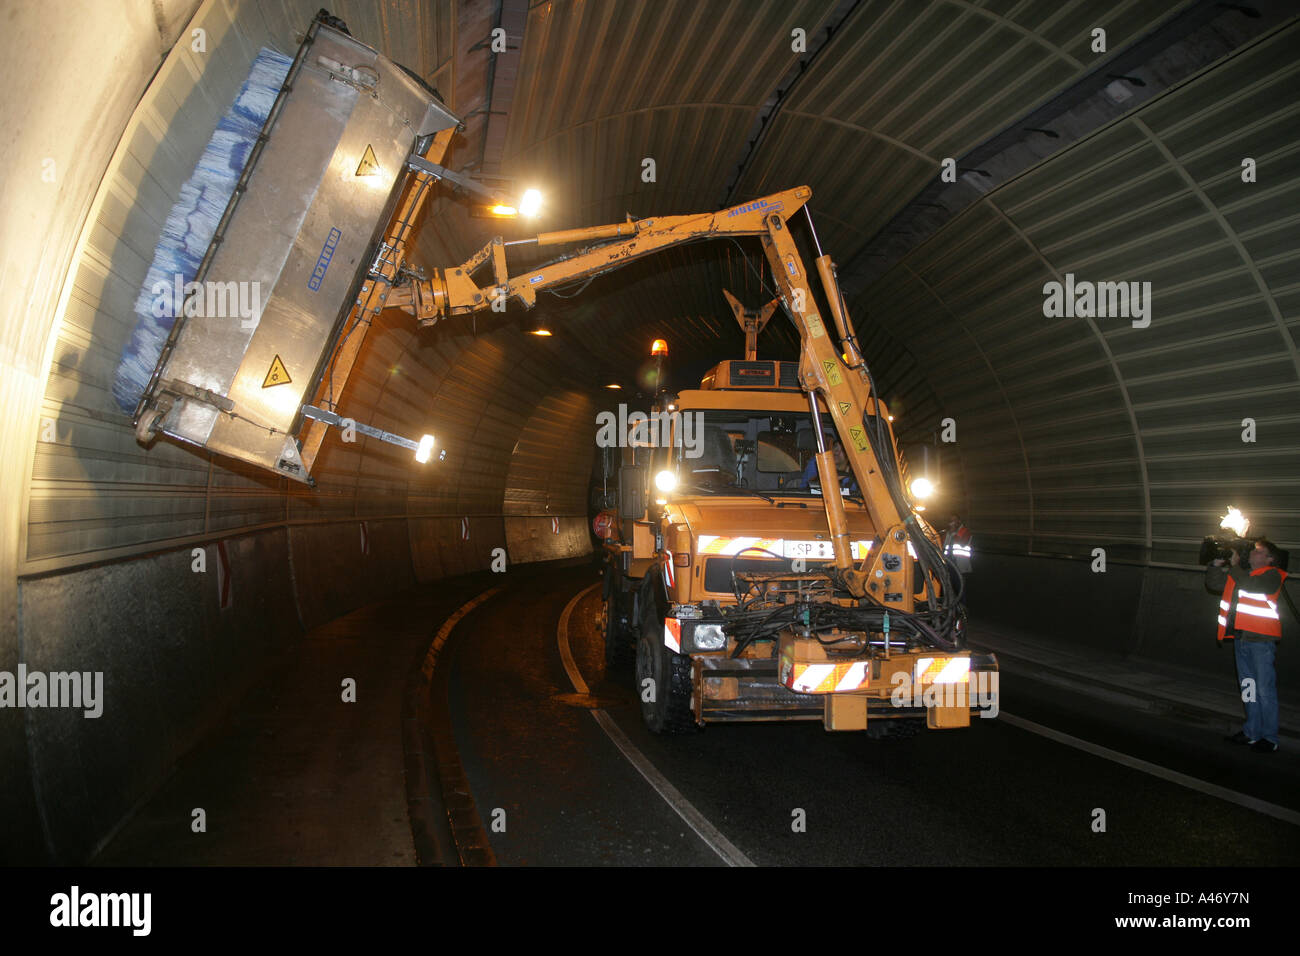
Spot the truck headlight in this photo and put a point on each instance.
(708, 637)
(666, 480)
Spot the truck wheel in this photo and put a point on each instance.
(663, 681)
(616, 625)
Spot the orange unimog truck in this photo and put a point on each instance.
(720, 583)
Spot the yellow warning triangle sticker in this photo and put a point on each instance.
(858, 440)
(844, 408)
(277, 374)
(827, 364)
(368, 166)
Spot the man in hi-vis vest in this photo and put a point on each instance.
(1248, 615)
(956, 543)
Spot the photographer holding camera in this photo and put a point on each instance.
(1248, 614)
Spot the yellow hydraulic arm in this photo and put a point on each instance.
(832, 368)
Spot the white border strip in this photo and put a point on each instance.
(706, 831)
(1164, 773)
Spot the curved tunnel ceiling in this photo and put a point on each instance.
(1072, 432)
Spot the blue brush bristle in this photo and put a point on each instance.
(193, 219)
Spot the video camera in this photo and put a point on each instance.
(1219, 546)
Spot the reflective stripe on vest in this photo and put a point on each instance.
(1255, 611)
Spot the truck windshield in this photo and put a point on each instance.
(761, 451)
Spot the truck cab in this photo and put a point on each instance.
(715, 582)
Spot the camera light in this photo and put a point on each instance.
(1235, 522)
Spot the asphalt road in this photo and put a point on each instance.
(553, 787)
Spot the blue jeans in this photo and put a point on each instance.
(1255, 663)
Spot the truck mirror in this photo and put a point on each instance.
(631, 492)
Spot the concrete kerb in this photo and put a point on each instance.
(444, 822)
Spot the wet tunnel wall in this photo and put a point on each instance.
(109, 535)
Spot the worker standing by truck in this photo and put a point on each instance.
(956, 543)
(1248, 615)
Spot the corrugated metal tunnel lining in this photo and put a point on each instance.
(1072, 433)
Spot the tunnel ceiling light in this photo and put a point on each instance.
(613, 385)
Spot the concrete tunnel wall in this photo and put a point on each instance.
(98, 565)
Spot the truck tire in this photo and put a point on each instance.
(616, 623)
(668, 709)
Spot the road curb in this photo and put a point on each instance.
(445, 824)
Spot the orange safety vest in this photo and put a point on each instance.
(1256, 611)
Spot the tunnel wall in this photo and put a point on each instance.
(1075, 432)
(1157, 613)
(99, 573)
(173, 660)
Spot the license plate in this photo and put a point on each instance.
(807, 549)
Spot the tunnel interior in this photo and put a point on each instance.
(963, 156)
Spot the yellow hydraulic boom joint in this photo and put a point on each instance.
(836, 373)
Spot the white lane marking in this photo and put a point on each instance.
(1164, 773)
(719, 844)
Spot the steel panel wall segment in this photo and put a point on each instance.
(1126, 428)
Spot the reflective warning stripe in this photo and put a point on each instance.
(722, 545)
(669, 575)
(827, 678)
(715, 544)
(809, 678)
(943, 670)
(1252, 611)
(1225, 605)
(673, 634)
(853, 679)
(1223, 621)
